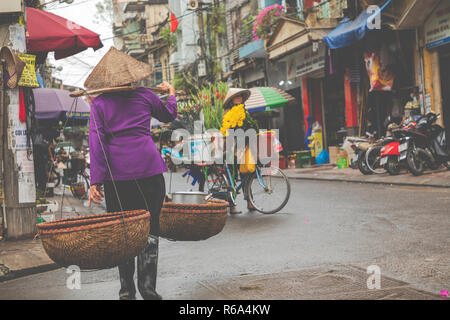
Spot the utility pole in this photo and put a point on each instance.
(19, 186)
(2, 180)
(202, 34)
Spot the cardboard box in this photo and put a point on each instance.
(334, 154)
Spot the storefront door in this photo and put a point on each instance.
(294, 122)
(334, 109)
(445, 80)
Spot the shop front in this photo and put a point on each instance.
(376, 68)
(254, 77)
(437, 60)
(445, 83)
(297, 65)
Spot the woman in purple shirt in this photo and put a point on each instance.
(131, 171)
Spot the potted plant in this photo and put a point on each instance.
(266, 21)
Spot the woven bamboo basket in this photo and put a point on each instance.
(193, 222)
(96, 242)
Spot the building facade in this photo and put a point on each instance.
(332, 85)
(141, 30)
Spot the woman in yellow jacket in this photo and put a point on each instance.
(235, 97)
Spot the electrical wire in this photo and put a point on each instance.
(68, 6)
(151, 26)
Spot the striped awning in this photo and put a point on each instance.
(267, 99)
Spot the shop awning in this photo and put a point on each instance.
(48, 32)
(57, 104)
(416, 13)
(349, 32)
(267, 99)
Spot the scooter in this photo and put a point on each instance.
(354, 143)
(427, 146)
(360, 147)
(374, 154)
(394, 155)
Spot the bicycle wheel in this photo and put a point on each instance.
(80, 188)
(55, 177)
(219, 187)
(362, 165)
(268, 190)
(373, 160)
(415, 163)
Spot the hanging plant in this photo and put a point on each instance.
(267, 20)
(247, 28)
(217, 20)
(169, 37)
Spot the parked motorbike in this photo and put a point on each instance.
(353, 142)
(427, 146)
(394, 155)
(360, 146)
(373, 155)
(360, 154)
(369, 154)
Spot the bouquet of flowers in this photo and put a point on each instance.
(210, 99)
(238, 117)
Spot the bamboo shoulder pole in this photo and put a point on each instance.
(80, 93)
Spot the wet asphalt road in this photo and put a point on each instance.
(403, 230)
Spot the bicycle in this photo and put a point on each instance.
(268, 189)
(54, 176)
(77, 178)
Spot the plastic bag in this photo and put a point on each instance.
(323, 158)
(249, 163)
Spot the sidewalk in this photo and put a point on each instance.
(25, 257)
(436, 179)
(327, 282)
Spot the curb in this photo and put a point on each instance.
(11, 275)
(404, 184)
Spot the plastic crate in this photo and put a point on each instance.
(304, 159)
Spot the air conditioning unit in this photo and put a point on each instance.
(193, 4)
(11, 6)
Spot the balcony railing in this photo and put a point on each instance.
(332, 9)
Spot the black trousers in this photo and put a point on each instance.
(136, 195)
(145, 194)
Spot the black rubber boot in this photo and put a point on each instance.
(127, 287)
(147, 269)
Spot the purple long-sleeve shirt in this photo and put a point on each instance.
(121, 121)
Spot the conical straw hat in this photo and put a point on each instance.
(233, 92)
(117, 69)
(14, 66)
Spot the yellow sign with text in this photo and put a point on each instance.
(28, 78)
